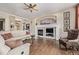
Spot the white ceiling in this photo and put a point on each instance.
(44, 8)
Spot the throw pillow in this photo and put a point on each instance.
(13, 43)
(7, 36)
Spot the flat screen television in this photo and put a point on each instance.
(49, 30)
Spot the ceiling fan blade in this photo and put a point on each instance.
(26, 5)
(26, 8)
(30, 5)
(34, 5)
(35, 9)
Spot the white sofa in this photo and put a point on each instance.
(23, 49)
(18, 35)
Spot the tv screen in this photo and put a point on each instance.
(49, 30)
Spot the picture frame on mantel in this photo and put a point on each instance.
(66, 20)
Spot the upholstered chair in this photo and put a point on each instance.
(67, 42)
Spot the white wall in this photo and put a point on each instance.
(59, 21)
(33, 21)
(32, 27)
(7, 18)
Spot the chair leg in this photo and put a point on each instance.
(59, 45)
(62, 43)
(66, 47)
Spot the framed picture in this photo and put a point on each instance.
(66, 17)
(27, 26)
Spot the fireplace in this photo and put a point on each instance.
(50, 32)
(47, 31)
(40, 32)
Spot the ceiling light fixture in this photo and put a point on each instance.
(30, 7)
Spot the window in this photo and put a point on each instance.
(27, 26)
(2, 24)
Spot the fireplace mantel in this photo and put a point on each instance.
(49, 25)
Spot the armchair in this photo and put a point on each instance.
(70, 40)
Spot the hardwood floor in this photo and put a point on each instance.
(49, 47)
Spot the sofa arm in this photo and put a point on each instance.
(14, 43)
(21, 50)
(18, 38)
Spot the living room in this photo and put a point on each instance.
(37, 28)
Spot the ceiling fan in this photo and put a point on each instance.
(30, 7)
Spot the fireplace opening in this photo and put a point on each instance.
(40, 32)
(50, 32)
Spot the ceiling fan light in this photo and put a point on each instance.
(30, 7)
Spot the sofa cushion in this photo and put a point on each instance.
(4, 49)
(7, 36)
(2, 41)
(13, 43)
